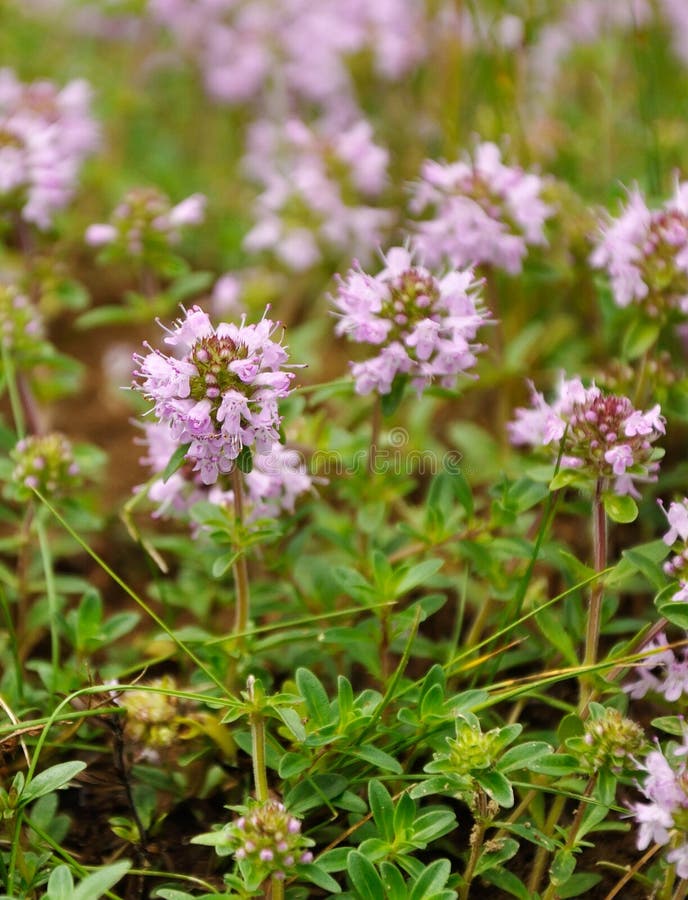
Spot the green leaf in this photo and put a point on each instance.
(60, 884)
(354, 584)
(224, 562)
(390, 402)
(393, 881)
(314, 791)
(522, 756)
(404, 816)
(497, 786)
(345, 698)
(578, 884)
(620, 509)
(564, 478)
(316, 875)
(334, 860)
(529, 832)
(293, 764)
(508, 882)
(433, 879)
(671, 724)
(176, 461)
(594, 814)
(364, 877)
(100, 881)
(491, 858)
(378, 758)
(557, 764)
(640, 336)
(52, 779)
(293, 721)
(172, 894)
(648, 559)
(555, 632)
(417, 574)
(673, 610)
(562, 867)
(570, 726)
(605, 790)
(432, 824)
(314, 696)
(382, 809)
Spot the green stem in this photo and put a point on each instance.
(277, 888)
(13, 392)
(13, 641)
(374, 434)
(542, 854)
(257, 723)
(599, 537)
(551, 892)
(240, 567)
(476, 842)
(52, 599)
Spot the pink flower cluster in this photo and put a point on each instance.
(482, 212)
(144, 218)
(677, 537)
(604, 436)
(663, 671)
(423, 326)
(646, 253)
(277, 479)
(219, 394)
(293, 49)
(45, 136)
(313, 180)
(662, 818)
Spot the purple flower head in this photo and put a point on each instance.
(604, 436)
(144, 225)
(219, 394)
(664, 671)
(294, 50)
(266, 839)
(315, 181)
(677, 537)
(423, 326)
(482, 212)
(45, 136)
(645, 253)
(677, 516)
(662, 819)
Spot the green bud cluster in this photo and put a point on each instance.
(268, 838)
(152, 715)
(21, 325)
(611, 741)
(45, 463)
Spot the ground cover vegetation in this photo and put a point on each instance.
(343, 413)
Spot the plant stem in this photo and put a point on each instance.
(374, 434)
(13, 392)
(13, 642)
(257, 723)
(52, 599)
(542, 854)
(276, 888)
(240, 566)
(551, 892)
(599, 538)
(476, 842)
